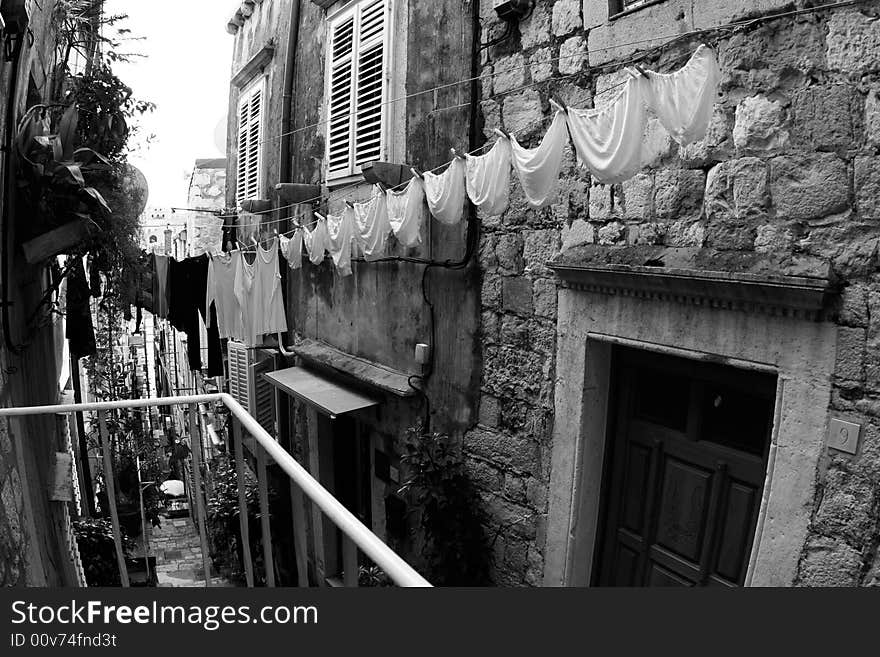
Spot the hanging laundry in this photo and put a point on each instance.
(488, 178)
(608, 140)
(79, 329)
(317, 241)
(292, 249)
(373, 225)
(684, 100)
(160, 286)
(222, 270)
(258, 290)
(538, 168)
(406, 212)
(445, 193)
(342, 232)
(187, 291)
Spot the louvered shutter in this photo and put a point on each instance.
(238, 372)
(340, 101)
(250, 147)
(262, 395)
(370, 83)
(357, 87)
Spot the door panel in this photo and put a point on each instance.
(685, 473)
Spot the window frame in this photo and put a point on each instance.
(617, 8)
(353, 172)
(245, 95)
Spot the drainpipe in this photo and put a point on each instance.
(284, 165)
(9, 186)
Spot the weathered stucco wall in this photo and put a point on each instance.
(32, 546)
(790, 166)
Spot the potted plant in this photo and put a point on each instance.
(53, 182)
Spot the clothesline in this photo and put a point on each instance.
(608, 140)
(727, 26)
(742, 24)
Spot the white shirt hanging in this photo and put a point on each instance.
(684, 100)
(608, 140)
(342, 232)
(488, 178)
(317, 241)
(258, 290)
(292, 249)
(445, 193)
(406, 212)
(538, 168)
(372, 222)
(222, 272)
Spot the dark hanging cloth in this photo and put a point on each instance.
(161, 266)
(80, 330)
(187, 288)
(230, 237)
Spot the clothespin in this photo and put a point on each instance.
(558, 103)
(641, 71)
(416, 172)
(382, 186)
(349, 204)
(321, 217)
(455, 153)
(501, 132)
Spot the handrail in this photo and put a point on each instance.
(400, 572)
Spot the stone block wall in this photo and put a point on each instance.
(790, 167)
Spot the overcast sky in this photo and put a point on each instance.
(186, 73)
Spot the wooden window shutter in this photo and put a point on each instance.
(371, 85)
(250, 147)
(262, 395)
(357, 87)
(238, 372)
(340, 102)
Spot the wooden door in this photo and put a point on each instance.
(685, 472)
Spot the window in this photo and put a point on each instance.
(250, 138)
(620, 6)
(357, 86)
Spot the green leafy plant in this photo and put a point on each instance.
(223, 521)
(451, 517)
(97, 551)
(373, 576)
(54, 175)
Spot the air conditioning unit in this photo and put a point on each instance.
(247, 385)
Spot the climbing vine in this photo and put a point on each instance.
(437, 487)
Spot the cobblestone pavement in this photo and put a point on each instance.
(178, 554)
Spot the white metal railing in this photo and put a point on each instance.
(400, 572)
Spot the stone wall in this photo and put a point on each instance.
(789, 167)
(207, 191)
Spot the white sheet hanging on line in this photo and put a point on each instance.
(538, 168)
(342, 233)
(372, 222)
(316, 241)
(258, 290)
(684, 100)
(445, 192)
(292, 249)
(406, 212)
(488, 178)
(608, 140)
